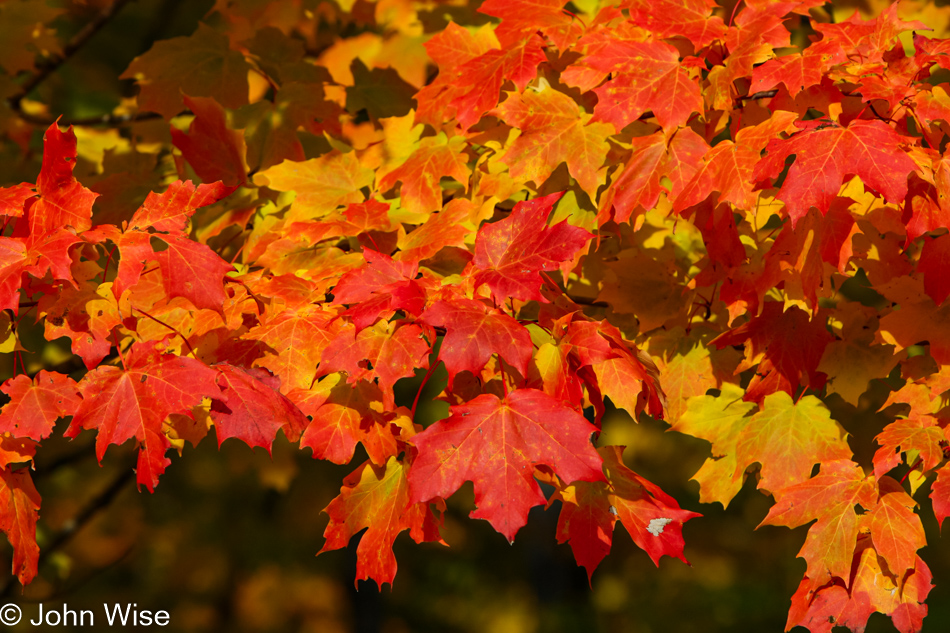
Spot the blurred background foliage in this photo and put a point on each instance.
(227, 541)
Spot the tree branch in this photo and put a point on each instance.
(99, 502)
(106, 120)
(52, 64)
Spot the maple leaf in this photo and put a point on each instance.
(378, 499)
(933, 264)
(586, 522)
(450, 49)
(48, 253)
(647, 76)
(692, 19)
(652, 159)
(13, 198)
(19, 510)
(688, 369)
(496, 444)
(321, 184)
(519, 21)
(382, 285)
(445, 228)
(189, 269)
(62, 201)
(820, 605)
(392, 351)
(824, 158)
(896, 530)
(718, 420)
(193, 271)
(927, 209)
(854, 360)
(170, 210)
(917, 320)
(344, 415)
(792, 345)
(788, 439)
(298, 338)
(252, 409)
(473, 333)
(381, 92)
(36, 404)
(483, 77)
(133, 402)
(798, 71)
(436, 157)
(214, 151)
(940, 496)
(553, 131)
(511, 254)
(830, 497)
(200, 65)
(728, 167)
(590, 510)
(919, 433)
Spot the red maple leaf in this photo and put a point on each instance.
(214, 151)
(590, 510)
(692, 19)
(133, 402)
(511, 254)
(13, 198)
(474, 332)
(170, 210)
(379, 287)
(481, 78)
(792, 344)
(252, 409)
(344, 415)
(19, 510)
(933, 263)
(825, 157)
(62, 201)
(496, 444)
(377, 498)
(520, 20)
(647, 76)
(36, 404)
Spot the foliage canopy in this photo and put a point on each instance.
(727, 218)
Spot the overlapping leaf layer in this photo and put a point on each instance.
(725, 219)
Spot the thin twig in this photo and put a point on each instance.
(105, 120)
(99, 502)
(422, 385)
(765, 94)
(172, 328)
(52, 64)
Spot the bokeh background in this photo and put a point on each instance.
(228, 540)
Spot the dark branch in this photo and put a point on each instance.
(765, 94)
(53, 63)
(99, 502)
(106, 120)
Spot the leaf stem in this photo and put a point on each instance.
(425, 379)
(172, 328)
(912, 468)
(504, 377)
(118, 349)
(734, 9)
(105, 270)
